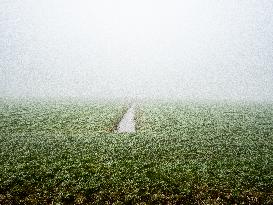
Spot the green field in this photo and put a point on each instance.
(182, 153)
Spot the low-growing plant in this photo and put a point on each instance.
(181, 154)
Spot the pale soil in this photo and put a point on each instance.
(127, 123)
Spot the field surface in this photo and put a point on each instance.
(181, 153)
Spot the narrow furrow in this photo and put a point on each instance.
(127, 123)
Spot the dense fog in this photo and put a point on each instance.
(195, 49)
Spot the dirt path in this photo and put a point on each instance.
(127, 123)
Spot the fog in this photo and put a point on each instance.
(195, 49)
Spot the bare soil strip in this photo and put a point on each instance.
(127, 123)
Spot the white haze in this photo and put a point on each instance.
(195, 49)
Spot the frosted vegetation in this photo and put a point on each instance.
(56, 151)
(181, 153)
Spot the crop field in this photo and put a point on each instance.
(182, 153)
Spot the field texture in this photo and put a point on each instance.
(212, 153)
(181, 153)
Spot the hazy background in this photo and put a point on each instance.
(200, 49)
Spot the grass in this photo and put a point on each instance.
(182, 153)
(212, 153)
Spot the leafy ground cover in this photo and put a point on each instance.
(182, 153)
(211, 153)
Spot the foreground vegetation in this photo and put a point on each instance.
(182, 153)
(212, 153)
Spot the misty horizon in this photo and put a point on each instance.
(204, 50)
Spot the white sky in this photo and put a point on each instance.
(204, 49)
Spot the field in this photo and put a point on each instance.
(189, 153)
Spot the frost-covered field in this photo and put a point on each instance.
(212, 153)
(181, 153)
